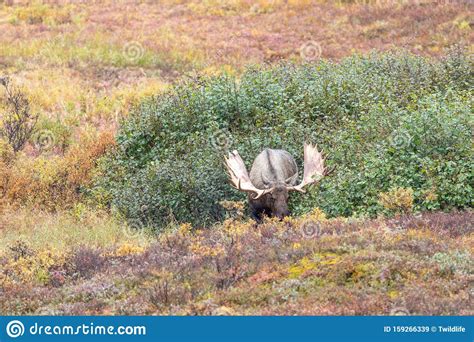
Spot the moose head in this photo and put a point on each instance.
(274, 174)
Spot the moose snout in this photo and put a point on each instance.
(283, 214)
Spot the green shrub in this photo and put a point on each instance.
(386, 120)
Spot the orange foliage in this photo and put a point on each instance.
(52, 182)
(80, 160)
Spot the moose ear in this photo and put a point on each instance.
(292, 180)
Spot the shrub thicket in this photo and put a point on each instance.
(387, 121)
(50, 181)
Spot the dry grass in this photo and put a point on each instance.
(64, 231)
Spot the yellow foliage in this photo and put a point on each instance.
(303, 266)
(128, 249)
(316, 214)
(430, 195)
(289, 220)
(231, 7)
(362, 270)
(6, 152)
(235, 229)
(419, 234)
(299, 4)
(393, 294)
(185, 229)
(296, 245)
(33, 268)
(219, 70)
(234, 208)
(39, 13)
(198, 248)
(327, 258)
(397, 199)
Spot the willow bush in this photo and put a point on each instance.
(391, 120)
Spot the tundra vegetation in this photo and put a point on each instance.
(114, 198)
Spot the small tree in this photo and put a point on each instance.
(17, 122)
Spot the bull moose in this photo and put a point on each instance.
(273, 175)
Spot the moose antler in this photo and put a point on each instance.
(314, 168)
(239, 177)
